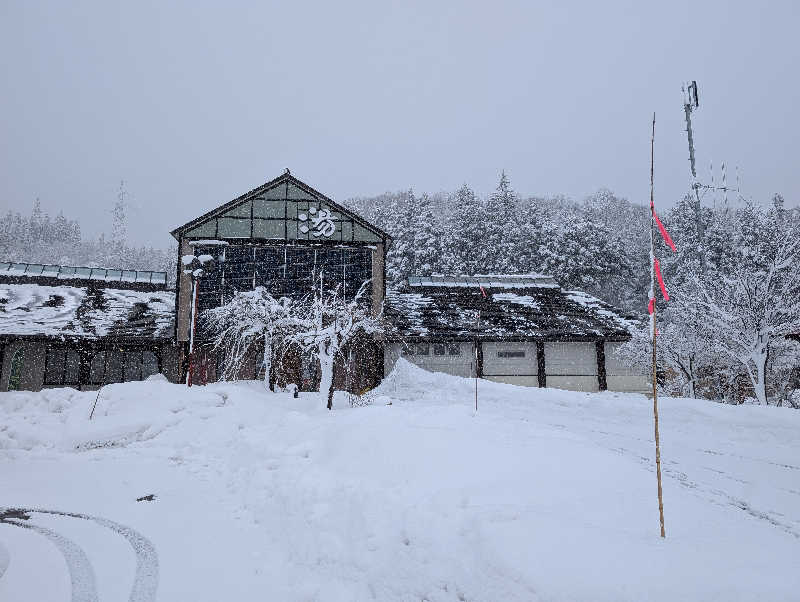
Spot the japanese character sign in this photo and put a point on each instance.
(321, 222)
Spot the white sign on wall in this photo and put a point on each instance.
(321, 222)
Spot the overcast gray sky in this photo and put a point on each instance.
(194, 103)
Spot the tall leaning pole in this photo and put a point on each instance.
(653, 327)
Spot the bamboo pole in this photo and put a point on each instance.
(653, 293)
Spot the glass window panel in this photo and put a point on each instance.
(72, 370)
(234, 228)
(82, 272)
(114, 368)
(54, 373)
(273, 228)
(510, 354)
(4, 266)
(133, 366)
(19, 267)
(298, 193)
(66, 272)
(242, 210)
(143, 276)
(50, 270)
(97, 367)
(98, 274)
(347, 230)
(149, 364)
(360, 233)
(34, 269)
(114, 274)
(209, 228)
(276, 192)
(303, 230)
(267, 208)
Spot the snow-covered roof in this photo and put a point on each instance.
(41, 271)
(484, 280)
(86, 312)
(429, 309)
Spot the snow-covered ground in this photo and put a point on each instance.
(540, 495)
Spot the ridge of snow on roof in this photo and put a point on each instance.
(63, 272)
(484, 280)
(430, 309)
(71, 311)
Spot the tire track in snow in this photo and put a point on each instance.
(4, 559)
(81, 573)
(145, 581)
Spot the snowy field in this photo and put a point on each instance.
(540, 495)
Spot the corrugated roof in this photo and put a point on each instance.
(66, 272)
(484, 280)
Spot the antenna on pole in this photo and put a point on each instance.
(691, 101)
(725, 183)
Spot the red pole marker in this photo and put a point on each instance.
(661, 280)
(664, 233)
(651, 306)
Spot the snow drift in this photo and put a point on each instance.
(540, 495)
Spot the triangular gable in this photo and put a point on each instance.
(283, 209)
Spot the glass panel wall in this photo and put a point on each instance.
(300, 217)
(291, 271)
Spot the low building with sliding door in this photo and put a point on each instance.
(523, 330)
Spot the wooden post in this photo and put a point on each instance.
(477, 357)
(653, 293)
(191, 332)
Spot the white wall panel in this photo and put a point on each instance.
(628, 383)
(457, 365)
(503, 359)
(570, 359)
(574, 383)
(523, 381)
(615, 365)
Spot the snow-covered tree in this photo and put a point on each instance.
(427, 234)
(684, 351)
(464, 246)
(328, 324)
(251, 317)
(119, 228)
(503, 232)
(748, 313)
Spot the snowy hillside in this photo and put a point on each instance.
(540, 495)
